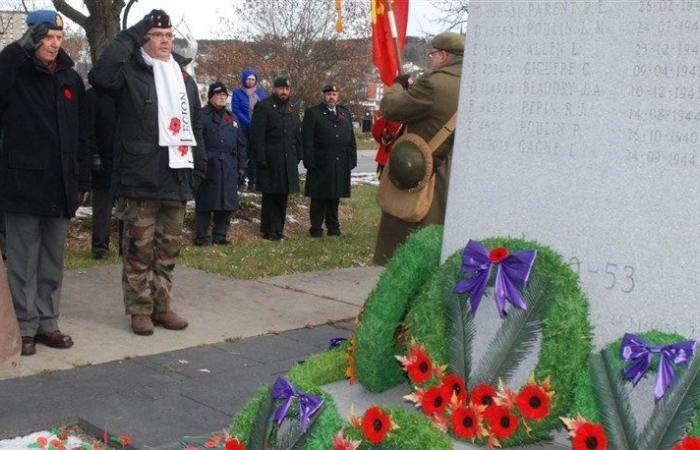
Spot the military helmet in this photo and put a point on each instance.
(410, 163)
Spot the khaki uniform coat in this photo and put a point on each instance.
(424, 108)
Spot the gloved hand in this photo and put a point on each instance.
(403, 80)
(96, 163)
(241, 177)
(31, 40)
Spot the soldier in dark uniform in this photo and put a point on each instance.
(275, 137)
(217, 196)
(330, 153)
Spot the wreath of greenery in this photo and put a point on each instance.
(584, 398)
(379, 323)
(566, 333)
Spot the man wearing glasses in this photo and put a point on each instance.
(159, 160)
(424, 108)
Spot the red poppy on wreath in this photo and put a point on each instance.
(498, 254)
(502, 422)
(213, 441)
(417, 364)
(376, 425)
(42, 442)
(533, 402)
(466, 423)
(232, 443)
(434, 401)
(340, 442)
(174, 125)
(688, 443)
(125, 440)
(453, 385)
(484, 395)
(68, 93)
(590, 436)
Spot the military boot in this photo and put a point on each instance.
(141, 324)
(169, 320)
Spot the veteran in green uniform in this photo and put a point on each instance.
(424, 107)
(330, 153)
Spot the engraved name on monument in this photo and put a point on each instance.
(578, 127)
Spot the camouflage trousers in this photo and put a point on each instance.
(150, 248)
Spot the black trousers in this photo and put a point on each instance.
(252, 168)
(221, 223)
(274, 211)
(324, 209)
(101, 219)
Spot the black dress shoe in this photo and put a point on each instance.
(222, 242)
(333, 232)
(28, 345)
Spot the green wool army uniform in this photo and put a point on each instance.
(330, 154)
(424, 108)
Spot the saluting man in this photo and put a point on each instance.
(330, 153)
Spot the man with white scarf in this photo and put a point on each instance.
(159, 160)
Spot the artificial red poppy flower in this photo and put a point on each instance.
(174, 125)
(233, 444)
(502, 422)
(434, 401)
(42, 441)
(688, 443)
(453, 384)
(420, 366)
(340, 442)
(498, 254)
(68, 93)
(125, 440)
(590, 436)
(483, 394)
(533, 402)
(466, 423)
(376, 425)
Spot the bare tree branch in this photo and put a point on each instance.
(70, 12)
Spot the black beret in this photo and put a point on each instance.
(158, 18)
(281, 82)
(330, 88)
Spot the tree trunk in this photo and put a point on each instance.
(99, 33)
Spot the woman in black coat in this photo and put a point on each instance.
(217, 196)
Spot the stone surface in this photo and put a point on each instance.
(218, 309)
(10, 340)
(578, 128)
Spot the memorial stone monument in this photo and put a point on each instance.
(578, 127)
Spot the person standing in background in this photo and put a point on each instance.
(243, 104)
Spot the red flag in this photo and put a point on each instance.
(383, 53)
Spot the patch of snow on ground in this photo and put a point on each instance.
(364, 178)
(25, 441)
(292, 219)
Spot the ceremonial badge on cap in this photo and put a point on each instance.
(59, 21)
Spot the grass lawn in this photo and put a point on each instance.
(250, 256)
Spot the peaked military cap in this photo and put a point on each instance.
(450, 42)
(51, 19)
(281, 82)
(158, 18)
(330, 88)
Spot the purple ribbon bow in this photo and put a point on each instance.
(308, 404)
(640, 353)
(513, 272)
(336, 342)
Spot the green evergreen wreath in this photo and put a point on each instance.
(566, 333)
(379, 322)
(585, 402)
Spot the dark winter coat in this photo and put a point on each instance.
(226, 153)
(330, 151)
(103, 116)
(240, 103)
(44, 162)
(141, 167)
(275, 135)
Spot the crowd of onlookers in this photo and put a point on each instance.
(141, 141)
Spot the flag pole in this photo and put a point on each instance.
(394, 33)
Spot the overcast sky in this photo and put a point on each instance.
(203, 19)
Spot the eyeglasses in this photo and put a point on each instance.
(430, 54)
(166, 36)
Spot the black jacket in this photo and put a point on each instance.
(330, 151)
(141, 167)
(275, 137)
(44, 160)
(103, 117)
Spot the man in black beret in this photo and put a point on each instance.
(159, 161)
(330, 153)
(45, 167)
(275, 137)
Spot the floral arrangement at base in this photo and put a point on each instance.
(602, 405)
(486, 415)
